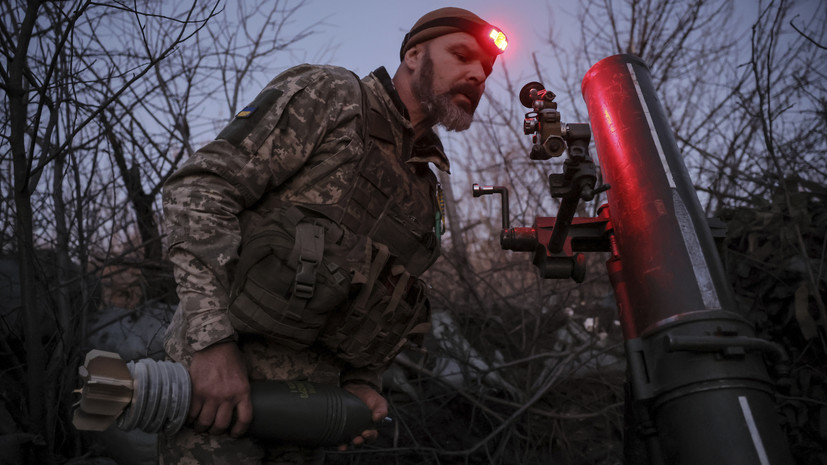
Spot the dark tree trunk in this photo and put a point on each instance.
(18, 117)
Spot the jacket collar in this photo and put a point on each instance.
(428, 147)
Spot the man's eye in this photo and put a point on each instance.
(461, 57)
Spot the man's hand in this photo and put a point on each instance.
(220, 391)
(378, 407)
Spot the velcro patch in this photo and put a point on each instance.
(247, 119)
(246, 112)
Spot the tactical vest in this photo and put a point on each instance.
(344, 274)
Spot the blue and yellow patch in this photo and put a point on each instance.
(248, 118)
(246, 112)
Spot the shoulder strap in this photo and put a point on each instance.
(365, 108)
(376, 124)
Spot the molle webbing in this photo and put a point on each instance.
(371, 205)
(284, 286)
(343, 273)
(389, 311)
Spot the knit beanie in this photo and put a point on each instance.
(449, 20)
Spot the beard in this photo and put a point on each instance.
(441, 108)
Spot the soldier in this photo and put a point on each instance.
(298, 235)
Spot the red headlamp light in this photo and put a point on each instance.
(498, 39)
(491, 38)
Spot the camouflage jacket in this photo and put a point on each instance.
(306, 116)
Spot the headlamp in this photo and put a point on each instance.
(491, 38)
(498, 38)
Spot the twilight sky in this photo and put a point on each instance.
(368, 33)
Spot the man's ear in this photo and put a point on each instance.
(414, 56)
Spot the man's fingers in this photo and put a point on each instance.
(220, 390)
(375, 402)
(380, 411)
(218, 420)
(205, 418)
(223, 417)
(369, 435)
(244, 415)
(195, 410)
(379, 408)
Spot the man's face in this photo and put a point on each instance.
(451, 79)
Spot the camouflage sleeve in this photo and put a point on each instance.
(264, 145)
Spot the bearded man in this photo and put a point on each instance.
(299, 234)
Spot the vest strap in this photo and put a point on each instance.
(307, 253)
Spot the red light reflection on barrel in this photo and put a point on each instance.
(649, 212)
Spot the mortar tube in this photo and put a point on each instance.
(707, 406)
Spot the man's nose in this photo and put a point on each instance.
(476, 73)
